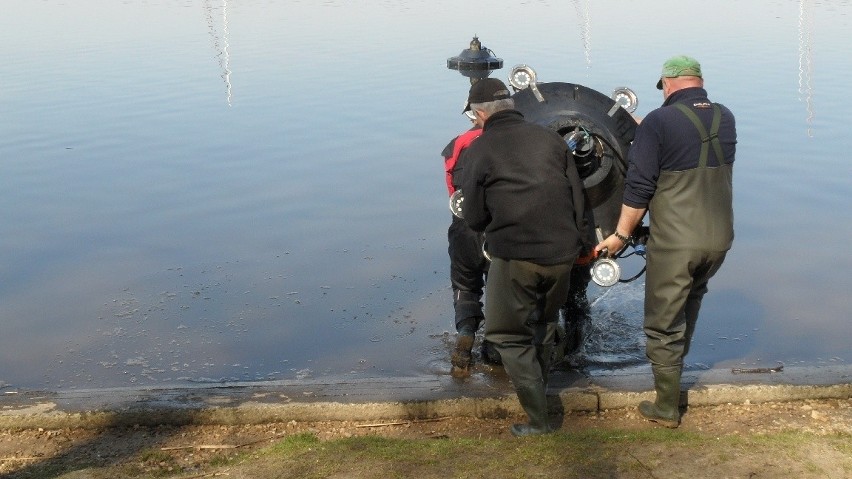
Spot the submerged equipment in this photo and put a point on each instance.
(475, 62)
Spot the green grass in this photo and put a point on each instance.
(588, 453)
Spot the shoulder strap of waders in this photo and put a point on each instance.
(706, 140)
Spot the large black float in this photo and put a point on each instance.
(597, 128)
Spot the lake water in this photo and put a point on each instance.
(245, 190)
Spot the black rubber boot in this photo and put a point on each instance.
(489, 353)
(544, 354)
(533, 399)
(665, 411)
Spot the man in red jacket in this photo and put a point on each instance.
(468, 265)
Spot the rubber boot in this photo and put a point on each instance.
(461, 358)
(544, 354)
(533, 399)
(665, 410)
(489, 353)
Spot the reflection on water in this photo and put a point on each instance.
(220, 42)
(585, 29)
(153, 235)
(806, 25)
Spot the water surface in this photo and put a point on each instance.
(220, 190)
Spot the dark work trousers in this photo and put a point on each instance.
(577, 304)
(580, 277)
(468, 273)
(675, 283)
(522, 308)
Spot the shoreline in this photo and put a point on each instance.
(403, 398)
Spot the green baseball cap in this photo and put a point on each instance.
(679, 66)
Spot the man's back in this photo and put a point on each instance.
(523, 191)
(681, 169)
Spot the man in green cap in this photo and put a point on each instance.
(680, 170)
(680, 66)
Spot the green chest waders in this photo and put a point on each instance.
(665, 410)
(706, 139)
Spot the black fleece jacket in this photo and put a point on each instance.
(522, 188)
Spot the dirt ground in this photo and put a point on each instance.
(200, 451)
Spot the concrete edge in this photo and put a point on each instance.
(47, 415)
(732, 394)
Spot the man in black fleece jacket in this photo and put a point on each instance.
(522, 189)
